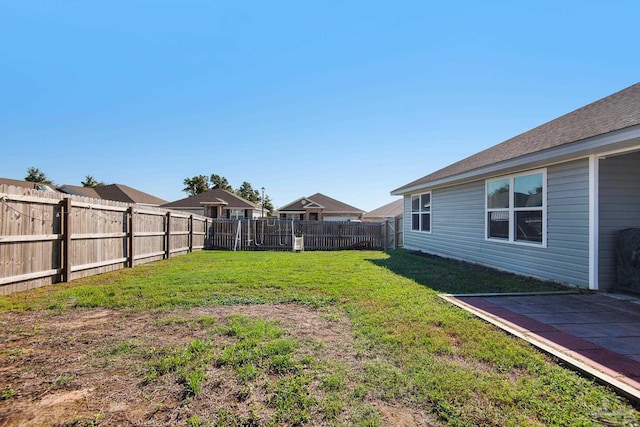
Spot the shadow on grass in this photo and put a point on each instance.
(444, 275)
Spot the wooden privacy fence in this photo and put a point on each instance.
(47, 237)
(278, 234)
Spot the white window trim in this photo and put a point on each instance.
(420, 213)
(512, 209)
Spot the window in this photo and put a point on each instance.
(421, 212)
(515, 208)
(236, 213)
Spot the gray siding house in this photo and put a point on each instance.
(548, 203)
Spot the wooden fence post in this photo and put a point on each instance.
(386, 235)
(167, 239)
(130, 237)
(206, 234)
(66, 243)
(190, 233)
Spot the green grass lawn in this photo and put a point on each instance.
(416, 350)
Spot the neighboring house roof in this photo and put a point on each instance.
(75, 190)
(612, 113)
(124, 193)
(390, 210)
(216, 196)
(117, 192)
(319, 200)
(26, 184)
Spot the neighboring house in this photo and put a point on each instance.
(26, 184)
(320, 208)
(217, 203)
(116, 192)
(386, 212)
(548, 203)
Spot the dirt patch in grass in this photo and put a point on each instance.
(92, 367)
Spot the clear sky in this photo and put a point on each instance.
(348, 98)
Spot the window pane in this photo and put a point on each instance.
(415, 222)
(529, 226)
(415, 204)
(498, 224)
(236, 213)
(498, 194)
(528, 191)
(426, 222)
(425, 202)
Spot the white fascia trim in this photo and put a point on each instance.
(594, 226)
(569, 151)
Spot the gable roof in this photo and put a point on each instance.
(117, 192)
(323, 202)
(612, 113)
(216, 196)
(390, 210)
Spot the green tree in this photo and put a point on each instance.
(91, 182)
(196, 185)
(221, 182)
(267, 205)
(247, 192)
(36, 175)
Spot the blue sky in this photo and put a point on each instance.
(351, 99)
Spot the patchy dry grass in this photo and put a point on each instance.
(253, 339)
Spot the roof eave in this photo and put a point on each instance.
(344, 212)
(212, 203)
(627, 138)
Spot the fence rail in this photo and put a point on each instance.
(48, 237)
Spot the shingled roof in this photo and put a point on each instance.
(615, 112)
(215, 196)
(389, 210)
(76, 190)
(328, 204)
(117, 192)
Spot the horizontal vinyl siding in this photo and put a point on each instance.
(458, 229)
(619, 208)
(463, 226)
(568, 222)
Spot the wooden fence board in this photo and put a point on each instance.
(47, 237)
(277, 234)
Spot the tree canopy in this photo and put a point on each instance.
(221, 182)
(196, 185)
(36, 175)
(91, 182)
